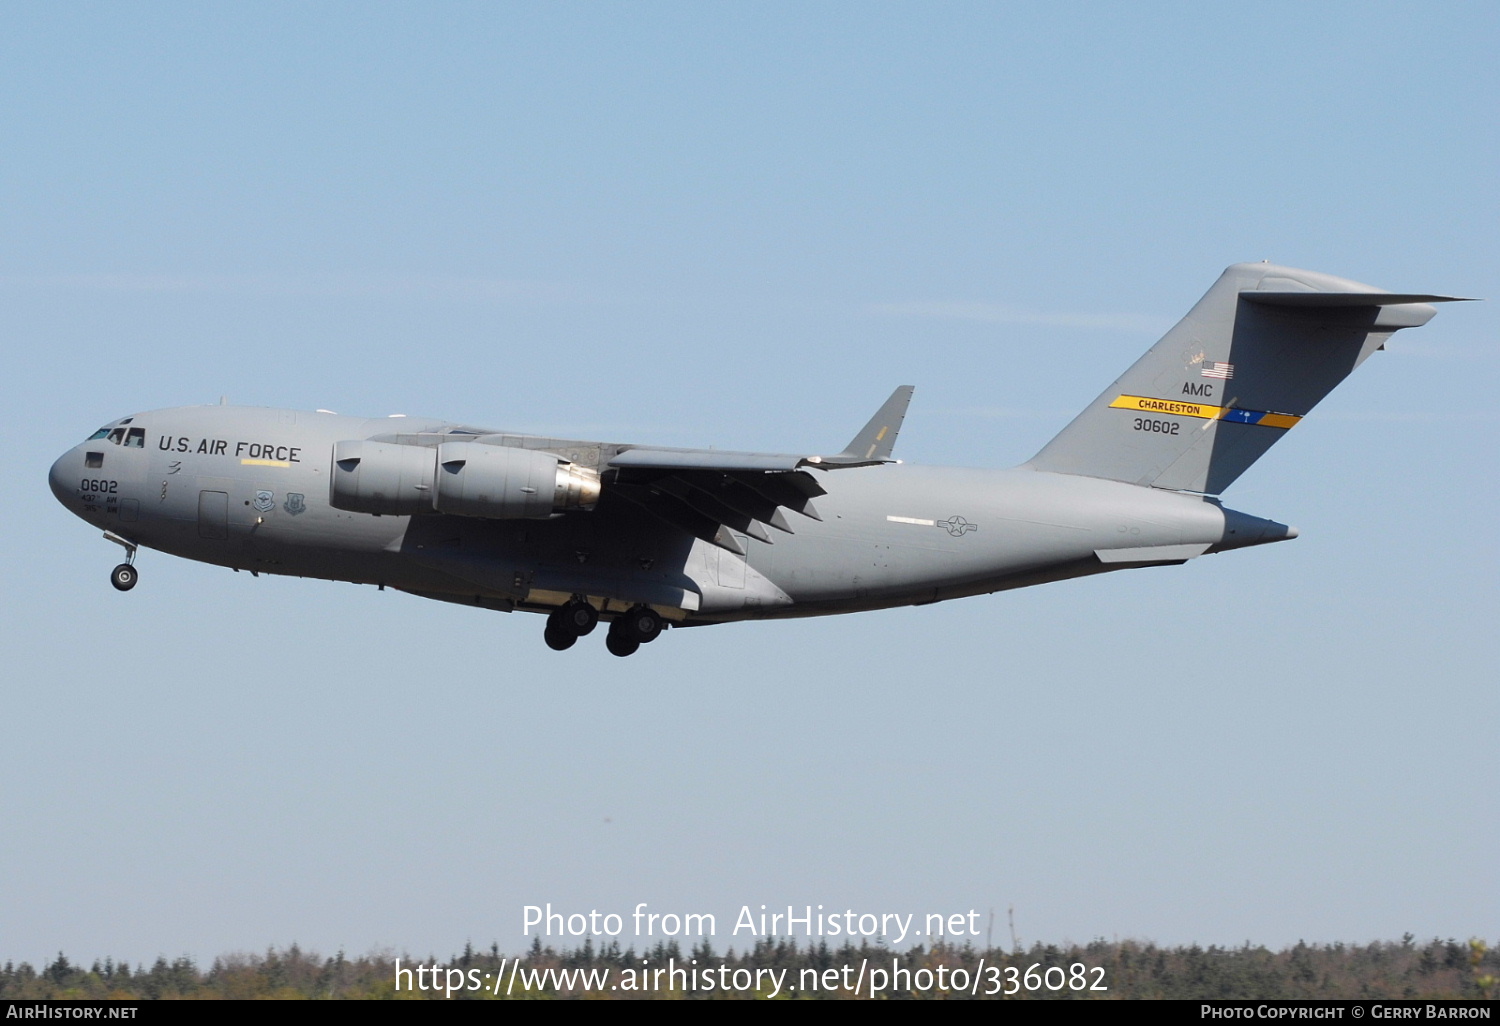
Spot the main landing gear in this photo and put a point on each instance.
(628, 632)
(633, 629)
(566, 624)
(124, 576)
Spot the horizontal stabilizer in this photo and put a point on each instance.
(1344, 299)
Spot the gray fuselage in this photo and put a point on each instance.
(249, 488)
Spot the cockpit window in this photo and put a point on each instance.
(98, 434)
(135, 438)
(117, 435)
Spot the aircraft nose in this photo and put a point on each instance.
(60, 477)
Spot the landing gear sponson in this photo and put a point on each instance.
(627, 632)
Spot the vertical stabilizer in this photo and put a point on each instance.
(1257, 352)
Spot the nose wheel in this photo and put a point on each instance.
(124, 576)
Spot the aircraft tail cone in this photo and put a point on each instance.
(1241, 530)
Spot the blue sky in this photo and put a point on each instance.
(742, 225)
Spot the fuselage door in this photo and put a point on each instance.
(213, 515)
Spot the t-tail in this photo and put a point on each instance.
(1248, 362)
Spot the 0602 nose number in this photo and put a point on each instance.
(90, 485)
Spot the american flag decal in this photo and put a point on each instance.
(1222, 371)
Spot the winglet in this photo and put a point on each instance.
(876, 440)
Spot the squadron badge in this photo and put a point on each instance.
(294, 503)
(264, 502)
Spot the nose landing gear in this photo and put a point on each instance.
(124, 576)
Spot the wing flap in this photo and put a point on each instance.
(723, 496)
(711, 506)
(676, 513)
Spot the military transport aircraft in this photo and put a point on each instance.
(644, 537)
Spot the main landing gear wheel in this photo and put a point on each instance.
(566, 624)
(578, 617)
(620, 646)
(641, 625)
(632, 630)
(556, 639)
(123, 577)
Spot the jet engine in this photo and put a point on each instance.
(476, 480)
(467, 479)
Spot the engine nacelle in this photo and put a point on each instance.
(378, 477)
(467, 479)
(477, 480)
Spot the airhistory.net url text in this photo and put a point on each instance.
(512, 978)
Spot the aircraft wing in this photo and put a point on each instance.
(711, 493)
(699, 459)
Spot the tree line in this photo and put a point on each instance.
(1438, 969)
